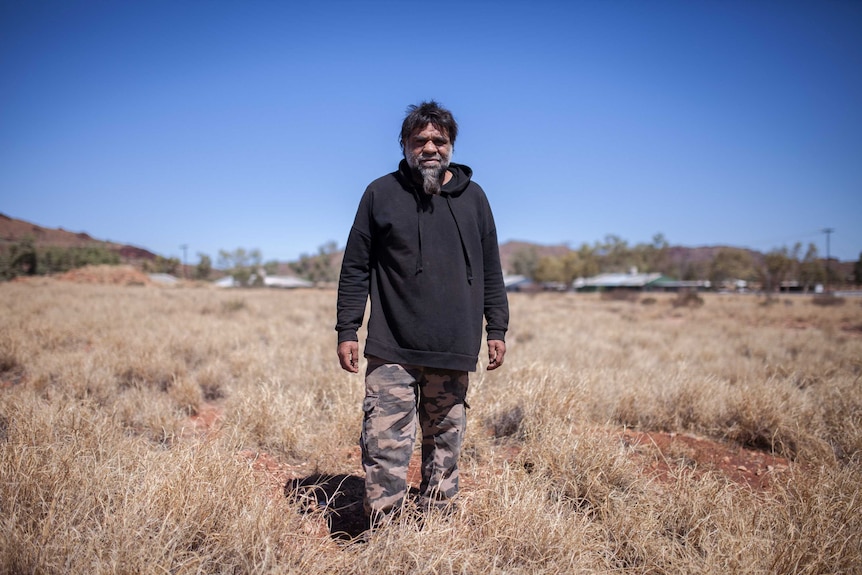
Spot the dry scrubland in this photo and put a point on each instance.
(106, 469)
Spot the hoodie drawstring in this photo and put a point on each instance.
(419, 233)
(419, 209)
(463, 245)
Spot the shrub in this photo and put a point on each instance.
(688, 299)
(233, 305)
(827, 299)
(620, 295)
(506, 423)
(25, 258)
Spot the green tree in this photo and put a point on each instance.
(204, 267)
(322, 267)
(271, 267)
(94, 255)
(589, 260)
(811, 271)
(730, 264)
(57, 260)
(549, 269)
(645, 257)
(240, 264)
(524, 261)
(162, 265)
(656, 254)
(572, 268)
(857, 270)
(566, 268)
(20, 258)
(776, 265)
(614, 254)
(25, 258)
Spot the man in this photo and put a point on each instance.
(424, 246)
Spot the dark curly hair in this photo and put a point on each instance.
(428, 113)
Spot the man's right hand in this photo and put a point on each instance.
(348, 356)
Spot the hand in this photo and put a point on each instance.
(496, 353)
(348, 356)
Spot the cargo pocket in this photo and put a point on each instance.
(369, 407)
(368, 439)
(369, 404)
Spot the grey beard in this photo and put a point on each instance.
(432, 178)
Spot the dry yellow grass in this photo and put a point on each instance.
(105, 468)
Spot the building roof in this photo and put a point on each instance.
(681, 284)
(225, 282)
(617, 280)
(286, 282)
(510, 281)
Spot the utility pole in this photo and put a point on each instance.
(828, 232)
(184, 247)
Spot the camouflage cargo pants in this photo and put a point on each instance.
(394, 395)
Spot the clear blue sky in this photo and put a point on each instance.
(258, 124)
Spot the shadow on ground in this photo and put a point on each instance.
(338, 496)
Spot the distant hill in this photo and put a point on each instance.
(675, 254)
(13, 230)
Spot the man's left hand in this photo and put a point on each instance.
(496, 353)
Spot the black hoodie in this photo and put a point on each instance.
(432, 267)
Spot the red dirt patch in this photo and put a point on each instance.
(660, 453)
(207, 418)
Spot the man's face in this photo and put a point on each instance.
(428, 149)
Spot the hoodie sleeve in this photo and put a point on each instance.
(353, 283)
(496, 302)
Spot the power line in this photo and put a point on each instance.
(828, 232)
(184, 247)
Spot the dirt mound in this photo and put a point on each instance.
(109, 275)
